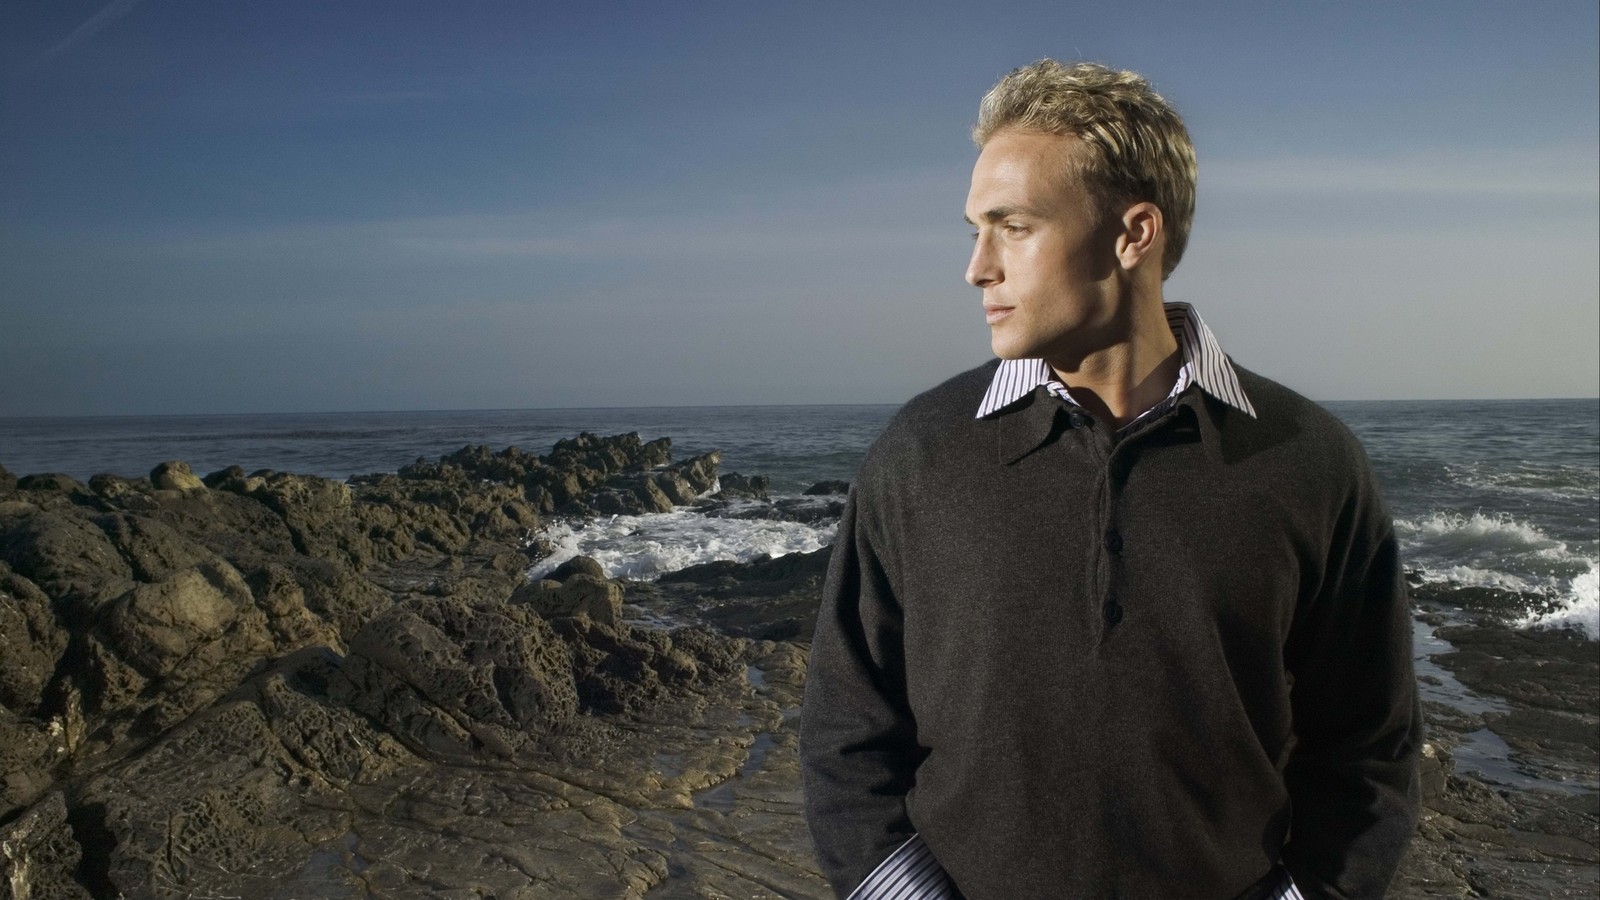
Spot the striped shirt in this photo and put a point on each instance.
(1204, 364)
(911, 872)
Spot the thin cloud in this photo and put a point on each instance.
(111, 12)
(1534, 173)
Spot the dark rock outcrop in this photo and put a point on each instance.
(211, 684)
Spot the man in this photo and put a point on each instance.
(1110, 616)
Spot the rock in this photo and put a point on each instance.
(580, 595)
(69, 558)
(125, 493)
(317, 512)
(578, 565)
(828, 487)
(765, 599)
(8, 481)
(51, 482)
(39, 856)
(31, 642)
(158, 626)
(454, 682)
(172, 653)
(175, 475)
(751, 487)
(29, 751)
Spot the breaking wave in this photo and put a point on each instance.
(645, 547)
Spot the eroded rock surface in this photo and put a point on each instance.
(267, 684)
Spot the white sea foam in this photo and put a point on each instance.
(1453, 533)
(1472, 576)
(644, 547)
(1578, 608)
(1502, 552)
(1562, 482)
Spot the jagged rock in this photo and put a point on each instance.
(8, 481)
(175, 475)
(453, 681)
(124, 493)
(749, 487)
(580, 595)
(828, 487)
(39, 856)
(578, 565)
(31, 642)
(620, 671)
(314, 509)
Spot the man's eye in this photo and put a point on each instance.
(1013, 228)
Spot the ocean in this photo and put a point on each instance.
(1500, 495)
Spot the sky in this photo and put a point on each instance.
(212, 207)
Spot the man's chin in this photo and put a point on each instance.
(1010, 350)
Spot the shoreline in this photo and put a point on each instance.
(377, 700)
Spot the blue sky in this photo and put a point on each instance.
(296, 206)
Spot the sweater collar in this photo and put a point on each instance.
(1204, 364)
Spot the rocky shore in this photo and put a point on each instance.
(273, 685)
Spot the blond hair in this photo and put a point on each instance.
(1138, 148)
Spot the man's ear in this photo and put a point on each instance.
(1142, 236)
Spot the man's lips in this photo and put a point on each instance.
(993, 312)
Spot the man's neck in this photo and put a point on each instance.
(1118, 382)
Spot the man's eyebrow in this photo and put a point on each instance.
(998, 213)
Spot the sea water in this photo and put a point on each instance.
(1485, 494)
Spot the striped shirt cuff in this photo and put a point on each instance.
(909, 873)
(912, 873)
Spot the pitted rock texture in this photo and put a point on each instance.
(254, 680)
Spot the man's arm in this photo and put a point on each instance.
(1352, 776)
(858, 748)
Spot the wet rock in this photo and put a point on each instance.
(578, 565)
(1545, 669)
(807, 510)
(748, 487)
(175, 475)
(765, 599)
(828, 487)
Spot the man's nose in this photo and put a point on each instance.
(983, 269)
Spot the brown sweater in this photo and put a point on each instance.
(1082, 665)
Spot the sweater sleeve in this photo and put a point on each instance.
(1352, 775)
(858, 747)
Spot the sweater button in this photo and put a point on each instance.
(1114, 541)
(1113, 613)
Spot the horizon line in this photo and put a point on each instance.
(500, 409)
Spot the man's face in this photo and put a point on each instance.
(1045, 260)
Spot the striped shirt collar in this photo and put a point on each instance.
(1204, 364)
